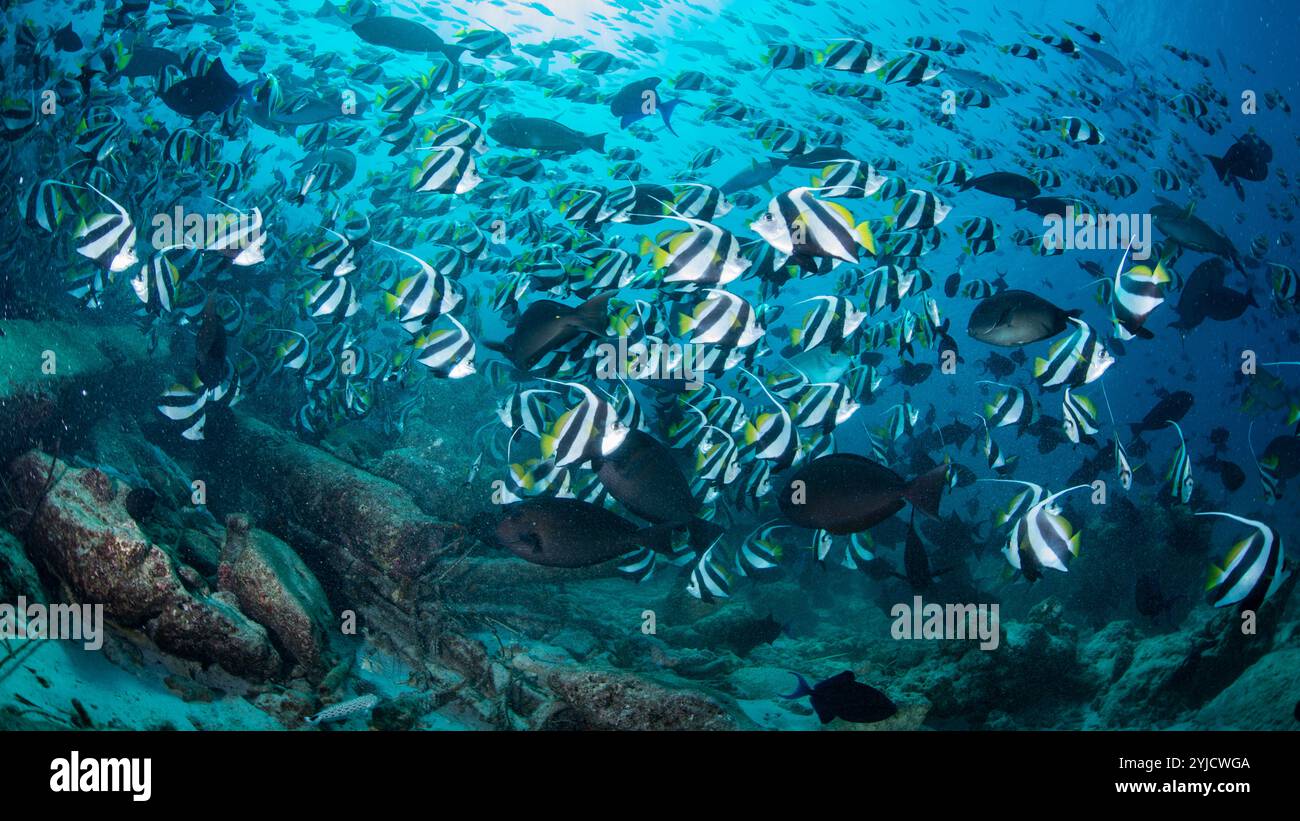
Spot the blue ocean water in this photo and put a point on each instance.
(388, 367)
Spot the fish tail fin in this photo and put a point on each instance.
(591, 316)
(596, 142)
(801, 687)
(703, 534)
(865, 237)
(666, 111)
(1220, 168)
(657, 538)
(926, 490)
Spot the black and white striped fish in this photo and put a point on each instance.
(1270, 476)
(1253, 569)
(824, 405)
(448, 169)
(854, 56)
(157, 282)
(1134, 295)
(334, 299)
(42, 205)
(919, 210)
(1079, 130)
(587, 430)
(760, 554)
(447, 353)
(798, 222)
(721, 318)
(703, 255)
(772, 436)
(993, 454)
(186, 403)
(833, 320)
(528, 409)
(1043, 538)
(709, 579)
(1012, 406)
(1078, 416)
(108, 239)
(1076, 360)
(1179, 474)
(848, 178)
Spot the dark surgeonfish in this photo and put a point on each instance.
(1013, 318)
(146, 61)
(559, 532)
(1246, 159)
(1005, 184)
(65, 39)
(1046, 206)
(844, 493)
(1172, 407)
(636, 101)
(1192, 232)
(541, 134)
(402, 34)
(308, 110)
(211, 93)
(1286, 451)
(1230, 473)
(548, 325)
(1204, 296)
(758, 174)
(819, 157)
(980, 82)
(644, 476)
(841, 696)
(210, 346)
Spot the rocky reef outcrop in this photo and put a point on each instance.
(57, 373)
(75, 523)
(274, 588)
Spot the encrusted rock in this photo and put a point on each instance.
(615, 701)
(275, 589)
(1263, 698)
(18, 577)
(77, 526)
(371, 530)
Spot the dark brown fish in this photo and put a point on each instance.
(562, 532)
(1013, 318)
(845, 493)
(210, 346)
(548, 325)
